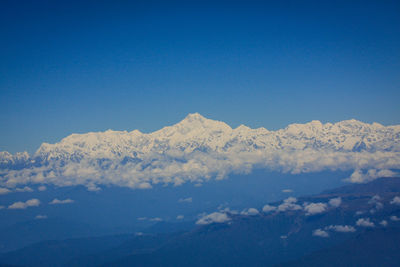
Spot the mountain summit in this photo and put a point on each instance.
(196, 149)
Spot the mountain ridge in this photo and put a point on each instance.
(198, 148)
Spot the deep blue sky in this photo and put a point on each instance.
(73, 67)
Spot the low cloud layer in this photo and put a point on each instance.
(198, 149)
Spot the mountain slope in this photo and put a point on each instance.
(290, 230)
(378, 247)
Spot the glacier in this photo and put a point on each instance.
(198, 149)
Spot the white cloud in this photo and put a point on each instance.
(268, 208)
(358, 213)
(360, 176)
(4, 191)
(180, 217)
(375, 200)
(315, 208)
(250, 212)
(395, 201)
(215, 217)
(155, 219)
(320, 233)
(341, 228)
(287, 191)
(384, 223)
(142, 218)
(1, 207)
(40, 217)
(187, 200)
(394, 218)
(365, 222)
(335, 202)
(42, 188)
(227, 210)
(289, 204)
(25, 189)
(23, 205)
(64, 201)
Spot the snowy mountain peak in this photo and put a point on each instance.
(198, 148)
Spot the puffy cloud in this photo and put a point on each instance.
(287, 191)
(360, 176)
(23, 205)
(215, 217)
(187, 200)
(250, 211)
(268, 208)
(42, 188)
(40, 217)
(289, 204)
(335, 202)
(227, 210)
(180, 217)
(315, 208)
(155, 219)
(394, 218)
(384, 223)
(24, 189)
(395, 201)
(58, 201)
(320, 233)
(4, 191)
(341, 228)
(365, 222)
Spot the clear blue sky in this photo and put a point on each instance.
(73, 67)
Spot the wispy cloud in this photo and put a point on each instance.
(341, 228)
(186, 200)
(23, 205)
(57, 201)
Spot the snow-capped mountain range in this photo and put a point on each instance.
(198, 149)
